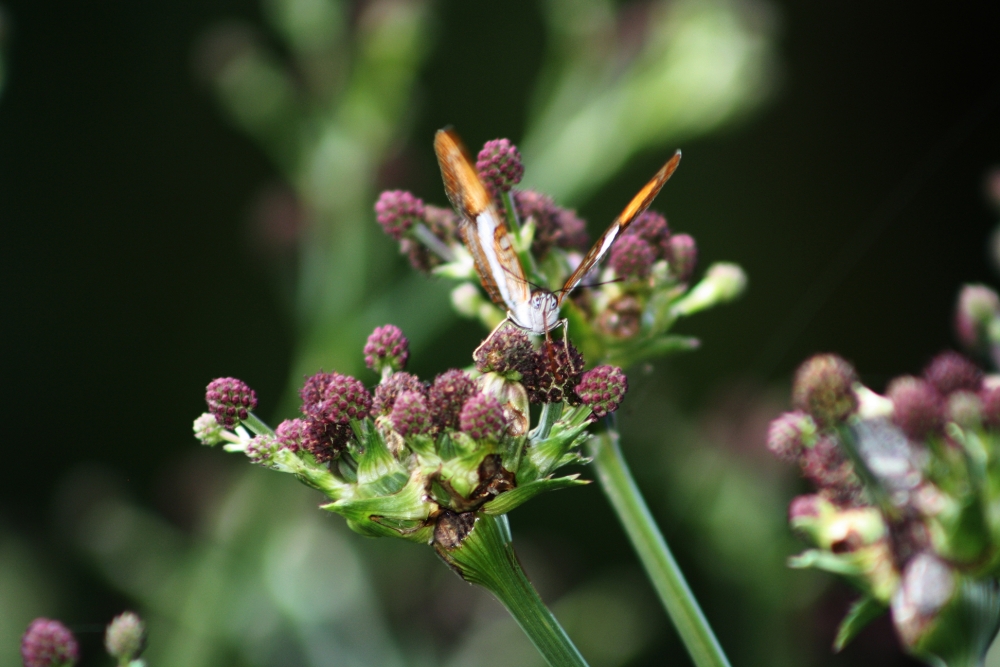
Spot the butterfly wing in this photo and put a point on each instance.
(635, 208)
(483, 229)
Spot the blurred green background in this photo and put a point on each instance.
(160, 162)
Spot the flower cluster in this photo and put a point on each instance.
(394, 458)
(907, 500)
(49, 643)
(619, 315)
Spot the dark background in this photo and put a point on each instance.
(854, 200)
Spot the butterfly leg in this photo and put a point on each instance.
(475, 355)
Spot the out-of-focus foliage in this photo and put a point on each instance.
(26, 592)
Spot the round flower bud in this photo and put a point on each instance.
(397, 211)
(950, 371)
(410, 414)
(507, 350)
(632, 257)
(602, 389)
(48, 643)
(553, 373)
(823, 388)
(291, 434)
(918, 409)
(652, 228)
(990, 399)
(499, 165)
(788, 434)
(804, 507)
(570, 231)
(261, 449)
(230, 400)
(621, 317)
(207, 429)
(978, 306)
(825, 465)
(325, 440)
(125, 637)
(387, 348)
(335, 398)
(386, 393)
(482, 418)
(682, 256)
(448, 394)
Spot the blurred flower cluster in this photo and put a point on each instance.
(394, 460)
(907, 501)
(621, 316)
(49, 643)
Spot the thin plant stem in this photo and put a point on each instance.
(632, 511)
(485, 556)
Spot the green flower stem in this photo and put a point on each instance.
(656, 558)
(482, 553)
(258, 427)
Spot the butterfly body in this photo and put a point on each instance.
(486, 235)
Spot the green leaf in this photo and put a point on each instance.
(862, 612)
(508, 500)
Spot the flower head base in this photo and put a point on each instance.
(125, 637)
(387, 350)
(230, 400)
(397, 211)
(499, 165)
(48, 643)
(482, 418)
(602, 389)
(823, 388)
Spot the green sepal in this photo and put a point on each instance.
(402, 514)
(862, 612)
(375, 461)
(509, 500)
(462, 473)
(547, 454)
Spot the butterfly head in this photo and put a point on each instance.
(539, 314)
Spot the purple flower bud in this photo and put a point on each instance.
(325, 440)
(482, 418)
(682, 255)
(335, 398)
(804, 507)
(823, 388)
(652, 228)
(291, 434)
(978, 305)
(448, 394)
(553, 373)
(499, 166)
(386, 393)
(918, 409)
(410, 414)
(387, 347)
(602, 389)
(787, 435)
(48, 643)
(230, 400)
(125, 637)
(553, 225)
(825, 465)
(442, 223)
(261, 449)
(990, 398)
(506, 350)
(632, 257)
(950, 371)
(397, 211)
(570, 231)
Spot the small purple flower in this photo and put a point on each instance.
(335, 398)
(386, 393)
(786, 435)
(823, 388)
(410, 415)
(499, 166)
(505, 351)
(387, 347)
(804, 507)
(482, 418)
(48, 643)
(602, 388)
(125, 637)
(949, 372)
(652, 228)
(553, 373)
(546, 215)
(682, 255)
(397, 211)
(632, 257)
(325, 440)
(448, 394)
(825, 465)
(291, 434)
(918, 409)
(990, 398)
(230, 400)
(978, 305)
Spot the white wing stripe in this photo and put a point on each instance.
(486, 226)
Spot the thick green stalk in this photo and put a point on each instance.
(478, 547)
(652, 549)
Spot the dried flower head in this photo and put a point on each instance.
(553, 373)
(950, 371)
(325, 440)
(788, 434)
(387, 348)
(682, 255)
(507, 350)
(499, 165)
(397, 211)
(410, 414)
(448, 394)
(230, 400)
(125, 637)
(602, 389)
(386, 393)
(482, 418)
(631, 257)
(48, 643)
(918, 409)
(823, 388)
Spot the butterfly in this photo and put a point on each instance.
(485, 233)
